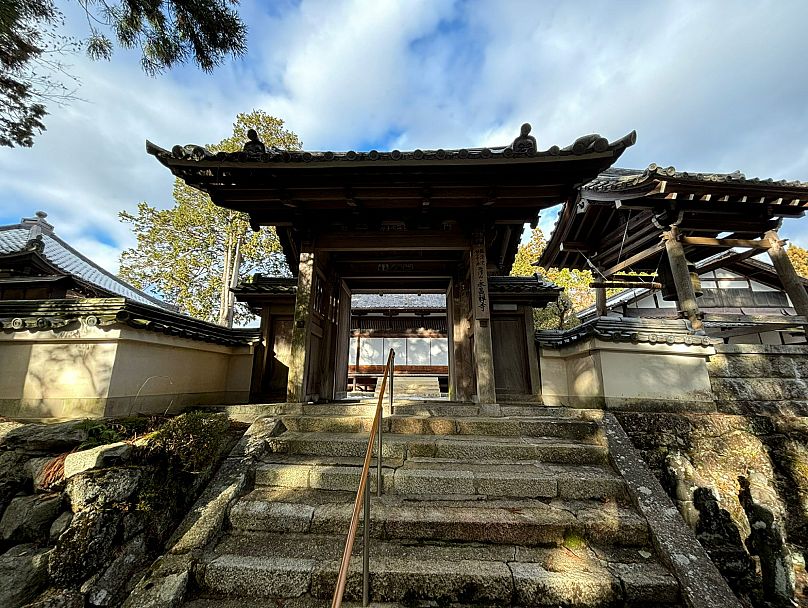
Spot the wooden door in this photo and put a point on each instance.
(511, 373)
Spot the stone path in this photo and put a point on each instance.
(522, 509)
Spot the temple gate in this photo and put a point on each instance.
(425, 221)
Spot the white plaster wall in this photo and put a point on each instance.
(94, 371)
(594, 373)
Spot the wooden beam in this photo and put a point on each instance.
(575, 247)
(421, 240)
(600, 298)
(788, 276)
(703, 241)
(681, 278)
(638, 257)
(604, 285)
(712, 207)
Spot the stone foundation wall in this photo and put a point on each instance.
(760, 379)
(705, 460)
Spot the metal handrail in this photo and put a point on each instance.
(363, 497)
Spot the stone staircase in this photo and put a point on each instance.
(413, 386)
(518, 510)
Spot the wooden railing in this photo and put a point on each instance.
(363, 497)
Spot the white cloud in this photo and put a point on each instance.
(707, 86)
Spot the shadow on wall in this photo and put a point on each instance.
(702, 459)
(67, 379)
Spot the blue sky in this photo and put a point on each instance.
(709, 86)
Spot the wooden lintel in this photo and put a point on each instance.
(637, 257)
(625, 285)
(703, 241)
(575, 247)
(422, 240)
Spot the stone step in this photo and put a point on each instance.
(525, 522)
(428, 476)
(470, 448)
(211, 601)
(436, 408)
(563, 428)
(413, 386)
(305, 566)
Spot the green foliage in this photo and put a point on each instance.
(168, 32)
(192, 440)
(29, 43)
(103, 431)
(577, 294)
(186, 253)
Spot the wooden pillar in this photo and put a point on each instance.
(451, 331)
(461, 370)
(788, 276)
(298, 360)
(481, 308)
(343, 342)
(600, 301)
(532, 352)
(262, 355)
(681, 278)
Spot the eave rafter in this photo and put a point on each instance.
(643, 204)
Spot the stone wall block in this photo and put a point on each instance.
(101, 488)
(24, 572)
(759, 389)
(41, 439)
(29, 518)
(85, 546)
(59, 525)
(96, 458)
(109, 589)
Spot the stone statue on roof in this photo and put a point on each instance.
(253, 145)
(525, 143)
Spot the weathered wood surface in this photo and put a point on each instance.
(788, 276)
(681, 278)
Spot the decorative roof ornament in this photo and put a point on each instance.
(525, 143)
(254, 146)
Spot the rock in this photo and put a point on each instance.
(85, 546)
(44, 438)
(59, 525)
(109, 589)
(6, 428)
(35, 468)
(28, 518)
(58, 598)
(767, 538)
(96, 458)
(24, 572)
(164, 591)
(101, 488)
(12, 476)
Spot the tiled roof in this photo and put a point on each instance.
(626, 329)
(619, 179)
(583, 145)
(507, 284)
(13, 239)
(259, 284)
(39, 315)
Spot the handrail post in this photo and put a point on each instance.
(366, 547)
(363, 498)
